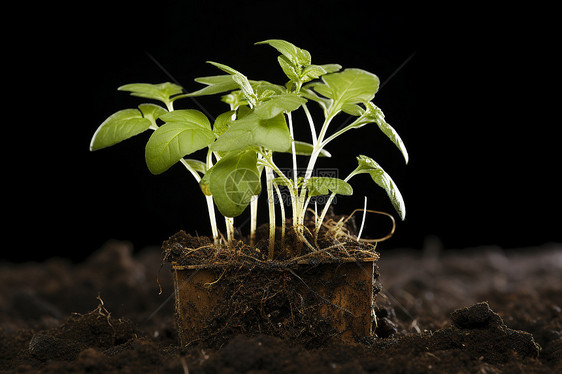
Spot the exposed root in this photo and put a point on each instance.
(102, 311)
(386, 237)
(336, 240)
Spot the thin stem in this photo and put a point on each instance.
(229, 221)
(301, 201)
(311, 123)
(269, 181)
(362, 220)
(213, 220)
(191, 170)
(340, 132)
(316, 150)
(327, 206)
(323, 214)
(293, 191)
(282, 207)
(170, 105)
(315, 213)
(253, 219)
(293, 151)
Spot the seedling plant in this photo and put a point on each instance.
(242, 142)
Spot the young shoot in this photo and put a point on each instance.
(243, 141)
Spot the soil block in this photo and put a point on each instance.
(308, 301)
(310, 297)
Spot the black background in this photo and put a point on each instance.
(475, 105)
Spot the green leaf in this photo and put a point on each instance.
(297, 56)
(222, 122)
(184, 132)
(324, 185)
(161, 92)
(282, 182)
(351, 86)
(331, 68)
(308, 93)
(352, 109)
(251, 130)
(204, 182)
(198, 166)
(288, 68)
(118, 127)
(225, 68)
(312, 72)
(240, 79)
(383, 180)
(233, 180)
(260, 87)
(235, 99)
(152, 112)
(215, 84)
(374, 114)
(277, 104)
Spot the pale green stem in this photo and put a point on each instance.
(323, 214)
(340, 132)
(269, 181)
(293, 191)
(191, 170)
(363, 219)
(293, 151)
(213, 220)
(268, 162)
(301, 211)
(253, 219)
(327, 206)
(170, 106)
(282, 207)
(311, 123)
(229, 221)
(210, 204)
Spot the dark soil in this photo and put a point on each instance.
(482, 310)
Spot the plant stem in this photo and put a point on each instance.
(293, 190)
(282, 207)
(271, 204)
(323, 214)
(210, 204)
(340, 132)
(213, 220)
(229, 221)
(170, 105)
(311, 123)
(191, 170)
(253, 219)
(293, 151)
(363, 219)
(301, 208)
(327, 206)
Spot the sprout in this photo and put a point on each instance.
(243, 141)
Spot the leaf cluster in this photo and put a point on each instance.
(241, 142)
